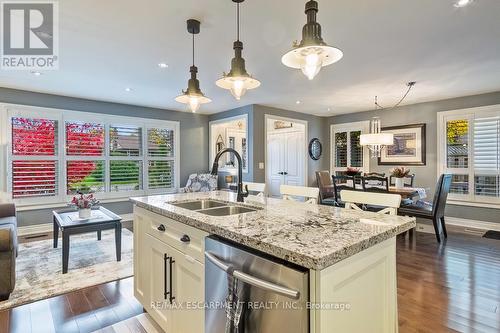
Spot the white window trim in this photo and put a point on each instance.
(364, 127)
(442, 117)
(12, 110)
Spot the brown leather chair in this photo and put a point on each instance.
(433, 211)
(8, 249)
(326, 190)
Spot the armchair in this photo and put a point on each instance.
(8, 249)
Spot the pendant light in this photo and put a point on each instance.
(192, 96)
(312, 52)
(238, 81)
(376, 141)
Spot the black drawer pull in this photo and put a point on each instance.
(166, 293)
(185, 239)
(161, 227)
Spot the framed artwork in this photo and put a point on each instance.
(408, 148)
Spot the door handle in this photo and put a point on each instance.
(252, 280)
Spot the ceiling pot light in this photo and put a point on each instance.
(128, 89)
(312, 53)
(238, 81)
(163, 65)
(462, 3)
(192, 96)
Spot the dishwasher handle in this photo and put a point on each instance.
(252, 280)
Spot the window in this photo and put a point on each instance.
(33, 154)
(54, 154)
(346, 148)
(470, 151)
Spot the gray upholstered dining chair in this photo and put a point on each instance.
(326, 189)
(433, 211)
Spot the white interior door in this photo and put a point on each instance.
(294, 158)
(286, 158)
(275, 163)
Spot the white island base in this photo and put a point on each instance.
(364, 285)
(357, 294)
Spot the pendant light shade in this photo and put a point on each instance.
(192, 96)
(376, 140)
(312, 53)
(238, 81)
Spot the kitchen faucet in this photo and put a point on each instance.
(241, 194)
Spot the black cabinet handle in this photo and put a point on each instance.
(285, 173)
(185, 239)
(165, 291)
(280, 173)
(171, 293)
(161, 228)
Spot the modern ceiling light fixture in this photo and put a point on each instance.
(238, 81)
(312, 52)
(192, 96)
(376, 141)
(462, 3)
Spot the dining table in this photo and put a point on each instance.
(418, 193)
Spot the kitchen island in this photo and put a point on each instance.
(350, 256)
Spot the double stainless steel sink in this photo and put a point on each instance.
(214, 208)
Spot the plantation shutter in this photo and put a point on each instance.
(85, 155)
(125, 140)
(486, 156)
(33, 165)
(161, 154)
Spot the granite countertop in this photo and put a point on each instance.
(312, 236)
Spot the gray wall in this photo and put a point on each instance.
(193, 135)
(426, 176)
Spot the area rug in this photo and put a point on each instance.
(91, 262)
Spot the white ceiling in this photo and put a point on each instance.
(106, 46)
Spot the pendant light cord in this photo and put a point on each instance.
(410, 86)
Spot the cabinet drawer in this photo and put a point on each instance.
(184, 238)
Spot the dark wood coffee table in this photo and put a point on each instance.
(68, 222)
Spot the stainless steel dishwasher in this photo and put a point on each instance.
(274, 293)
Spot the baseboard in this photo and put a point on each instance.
(462, 225)
(46, 228)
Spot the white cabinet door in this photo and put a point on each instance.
(158, 305)
(188, 288)
(294, 158)
(141, 267)
(176, 289)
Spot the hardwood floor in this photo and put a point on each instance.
(441, 288)
(85, 310)
(450, 287)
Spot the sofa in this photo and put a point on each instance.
(8, 249)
